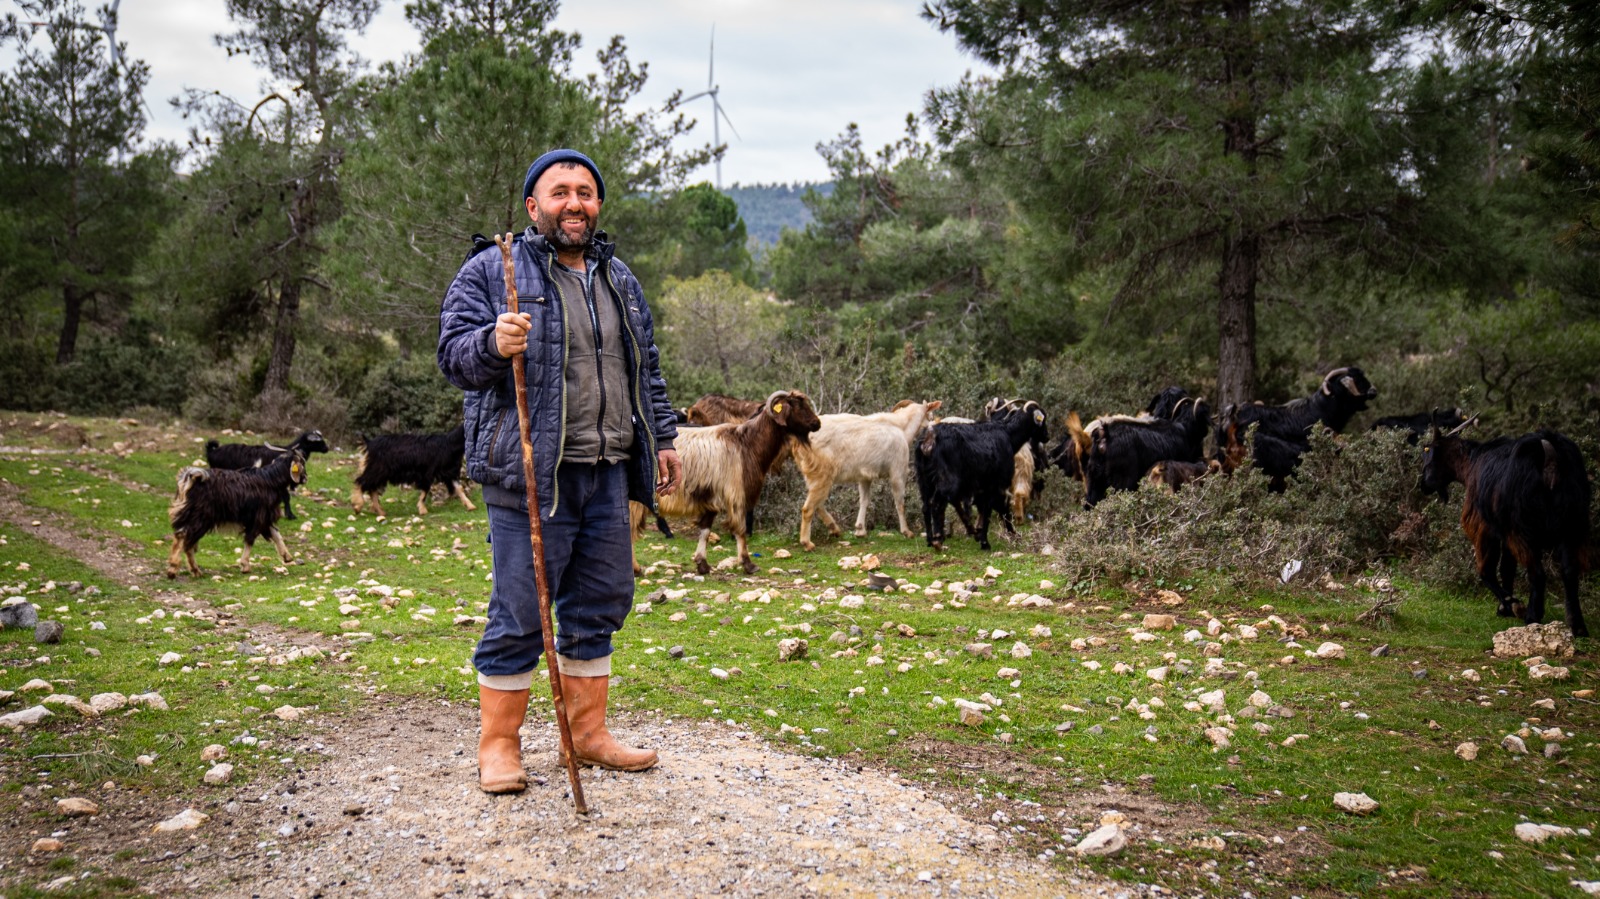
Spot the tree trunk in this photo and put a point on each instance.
(1241, 248)
(72, 296)
(1236, 319)
(283, 337)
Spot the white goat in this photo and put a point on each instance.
(859, 449)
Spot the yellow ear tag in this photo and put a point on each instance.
(1038, 417)
(777, 407)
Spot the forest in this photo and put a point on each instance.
(1232, 196)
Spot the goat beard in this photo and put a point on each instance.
(550, 227)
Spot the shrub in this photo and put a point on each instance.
(406, 394)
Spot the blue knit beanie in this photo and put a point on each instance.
(554, 156)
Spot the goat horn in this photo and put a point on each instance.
(276, 449)
(1462, 427)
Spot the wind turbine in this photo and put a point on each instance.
(716, 106)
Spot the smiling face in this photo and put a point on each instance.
(565, 207)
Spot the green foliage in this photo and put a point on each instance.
(716, 335)
(700, 231)
(405, 395)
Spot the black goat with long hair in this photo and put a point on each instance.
(240, 456)
(1344, 392)
(212, 498)
(1122, 452)
(417, 460)
(973, 463)
(1526, 498)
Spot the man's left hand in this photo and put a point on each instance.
(669, 469)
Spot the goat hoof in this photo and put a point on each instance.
(702, 567)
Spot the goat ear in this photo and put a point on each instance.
(935, 405)
(780, 411)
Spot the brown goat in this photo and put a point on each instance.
(726, 465)
(1173, 474)
(720, 409)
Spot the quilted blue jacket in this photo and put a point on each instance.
(468, 359)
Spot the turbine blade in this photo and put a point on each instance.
(720, 111)
(711, 71)
(694, 97)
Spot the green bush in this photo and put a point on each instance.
(406, 394)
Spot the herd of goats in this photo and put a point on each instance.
(1527, 497)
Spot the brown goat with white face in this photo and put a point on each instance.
(209, 499)
(725, 467)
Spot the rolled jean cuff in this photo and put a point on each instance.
(600, 667)
(506, 682)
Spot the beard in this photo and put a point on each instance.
(550, 227)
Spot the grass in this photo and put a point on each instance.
(1064, 740)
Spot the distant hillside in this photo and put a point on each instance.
(769, 208)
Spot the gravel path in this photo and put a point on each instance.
(392, 809)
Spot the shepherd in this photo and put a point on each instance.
(601, 430)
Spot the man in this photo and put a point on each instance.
(602, 431)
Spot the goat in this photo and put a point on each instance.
(1417, 425)
(1172, 474)
(719, 409)
(239, 456)
(973, 463)
(1122, 451)
(1525, 498)
(212, 498)
(1275, 457)
(1344, 392)
(726, 465)
(1025, 482)
(418, 460)
(859, 449)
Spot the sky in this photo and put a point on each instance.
(791, 74)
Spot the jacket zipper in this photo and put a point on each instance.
(599, 358)
(560, 307)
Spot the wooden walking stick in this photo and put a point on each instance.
(519, 370)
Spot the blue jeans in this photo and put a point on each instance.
(588, 559)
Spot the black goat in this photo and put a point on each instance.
(1121, 452)
(962, 463)
(1344, 392)
(418, 460)
(1526, 498)
(1275, 457)
(212, 498)
(240, 456)
(1418, 424)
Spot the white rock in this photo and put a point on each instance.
(1219, 737)
(35, 686)
(1108, 840)
(852, 601)
(1007, 673)
(77, 808)
(216, 752)
(1528, 832)
(18, 720)
(105, 703)
(1355, 803)
(287, 713)
(1154, 622)
(792, 648)
(188, 819)
(71, 702)
(219, 774)
(1020, 650)
(169, 658)
(1260, 700)
(1589, 887)
(1549, 672)
(719, 674)
(1467, 751)
(1471, 675)
(1039, 631)
(1330, 651)
(1247, 632)
(1214, 700)
(1513, 744)
(1157, 674)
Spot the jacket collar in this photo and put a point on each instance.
(601, 250)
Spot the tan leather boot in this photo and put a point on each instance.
(499, 743)
(586, 715)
